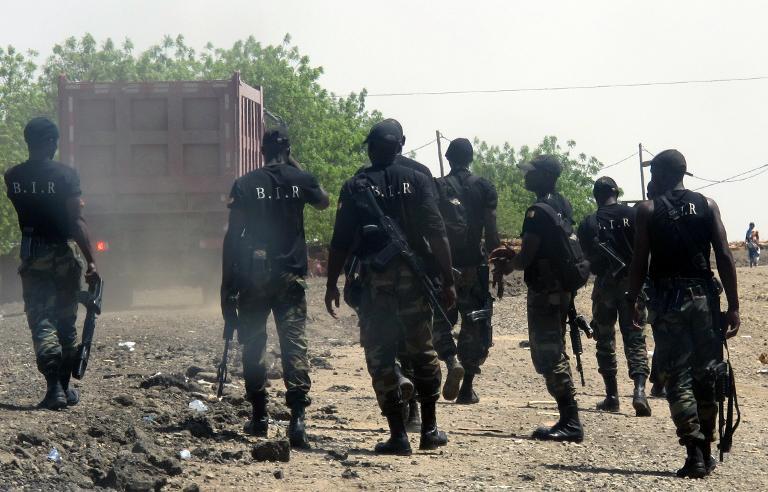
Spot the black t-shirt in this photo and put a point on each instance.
(480, 197)
(39, 191)
(671, 254)
(273, 200)
(539, 223)
(410, 164)
(613, 224)
(403, 194)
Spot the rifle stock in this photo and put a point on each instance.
(618, 266)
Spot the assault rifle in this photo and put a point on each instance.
(578, 323)
(617, 265)
(398, 246)
(725, 395)
(229, 309)
(92, 302)
(484, 314)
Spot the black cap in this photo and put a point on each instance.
(459, 150)
(546, 163)
(276, 137)
(40, 130)
(603, 184)
(388, 130)
(669, 161)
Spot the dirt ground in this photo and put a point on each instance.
(125, 436)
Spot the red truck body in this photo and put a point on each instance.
(156, 162)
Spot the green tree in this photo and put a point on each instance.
(22, 97)
(499, 165)
(326, 130)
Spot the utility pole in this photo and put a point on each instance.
(642, 172)
(440, 152)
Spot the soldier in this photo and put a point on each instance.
(393, 306)
(265, 262)
(404, 365)
(679, 228)
(468, 204)
(46, 196)
(548, 301)
(606, 238)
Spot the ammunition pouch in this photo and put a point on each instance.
(353, 286)
(381, 260)
(252, 269)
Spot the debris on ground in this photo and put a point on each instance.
(272, 450)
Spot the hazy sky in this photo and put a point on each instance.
(401, 46)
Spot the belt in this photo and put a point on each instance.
(696, 286)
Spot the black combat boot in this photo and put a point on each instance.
(405, 384)
(397, 443)
(73, 396)
(413, 420)
(467, 395)
(694, 466)
(55, 398)
(455, 373)
(297, 433)
(639, 401)
(568, 428)
(611, 402)
(658, 391)
(710, 462)
(431, 436)
(259, 423)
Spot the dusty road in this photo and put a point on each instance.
(123, 435)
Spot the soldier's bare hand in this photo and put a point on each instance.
(733, 320)
(91, 274)
(332, 297)
(449, 296)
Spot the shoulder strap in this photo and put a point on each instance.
(557, 219)
(451, 181)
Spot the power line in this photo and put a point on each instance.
(732, 179)
(571, 87)
(421, 147)
(619, 162)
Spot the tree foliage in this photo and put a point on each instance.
(326, 130)
(499, 165)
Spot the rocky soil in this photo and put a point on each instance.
(134, 429)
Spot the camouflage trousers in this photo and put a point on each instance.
(547, 313)
(472, 349)
(609, 304)
(688, 345)
(50, 280)
(396, 321)
(285, 298)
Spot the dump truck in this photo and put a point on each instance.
(156, 162)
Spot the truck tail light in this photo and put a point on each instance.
(211, 243)
(102, 246)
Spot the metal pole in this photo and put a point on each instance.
(642, 173)
(440, 152)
